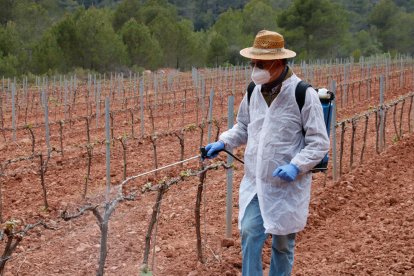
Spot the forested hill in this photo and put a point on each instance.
(203, 13)
(59, 36)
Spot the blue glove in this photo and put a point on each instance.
(213, 149)
(286, 172)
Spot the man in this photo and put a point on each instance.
(283, 145)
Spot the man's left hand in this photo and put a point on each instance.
(286, 172)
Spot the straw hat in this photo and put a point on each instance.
(268, 45)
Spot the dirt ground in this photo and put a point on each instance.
(360, 225)
(363, 224)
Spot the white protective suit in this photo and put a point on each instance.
(274, 137)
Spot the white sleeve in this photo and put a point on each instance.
(237, 135)
(316, 136)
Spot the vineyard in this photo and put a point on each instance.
(101, 174)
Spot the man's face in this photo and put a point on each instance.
(275, 67)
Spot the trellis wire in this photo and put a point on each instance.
(379, 138)
(316, 71)
(310, 73)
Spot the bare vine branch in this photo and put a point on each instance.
(180, 136)
(123, 141)
(29, 128)
(351, 159)
(364, 139)
(14, 238)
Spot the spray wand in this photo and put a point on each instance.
(204, 154)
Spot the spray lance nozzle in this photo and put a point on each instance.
(203, 152)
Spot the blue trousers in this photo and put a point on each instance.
(253, 238)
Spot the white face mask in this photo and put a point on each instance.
(261, 76)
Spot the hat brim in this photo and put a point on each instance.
(282, 54)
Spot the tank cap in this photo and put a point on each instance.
(324, 93)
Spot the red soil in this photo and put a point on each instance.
(360, 225)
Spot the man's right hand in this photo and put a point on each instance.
(213, 149)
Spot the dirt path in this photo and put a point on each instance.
(363, 225)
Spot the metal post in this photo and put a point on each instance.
(345, 88)
(233, 91)
(135, 88)
(65, 97)
(14, 111)
(108, 149)
(141, 104)
(156, 91)
(387, 70)
(229, 178)
(7, 90)
(98, 103)
(46, 112)
(381, 129)
(203, 94)
(333, 135)
(110, 86)
(210, 115)
(369, 82)
(118, 86)
(71, 94)
(130, 84)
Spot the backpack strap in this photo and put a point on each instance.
(300, 93)
(250, 89)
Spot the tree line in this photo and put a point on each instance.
(59, 36)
